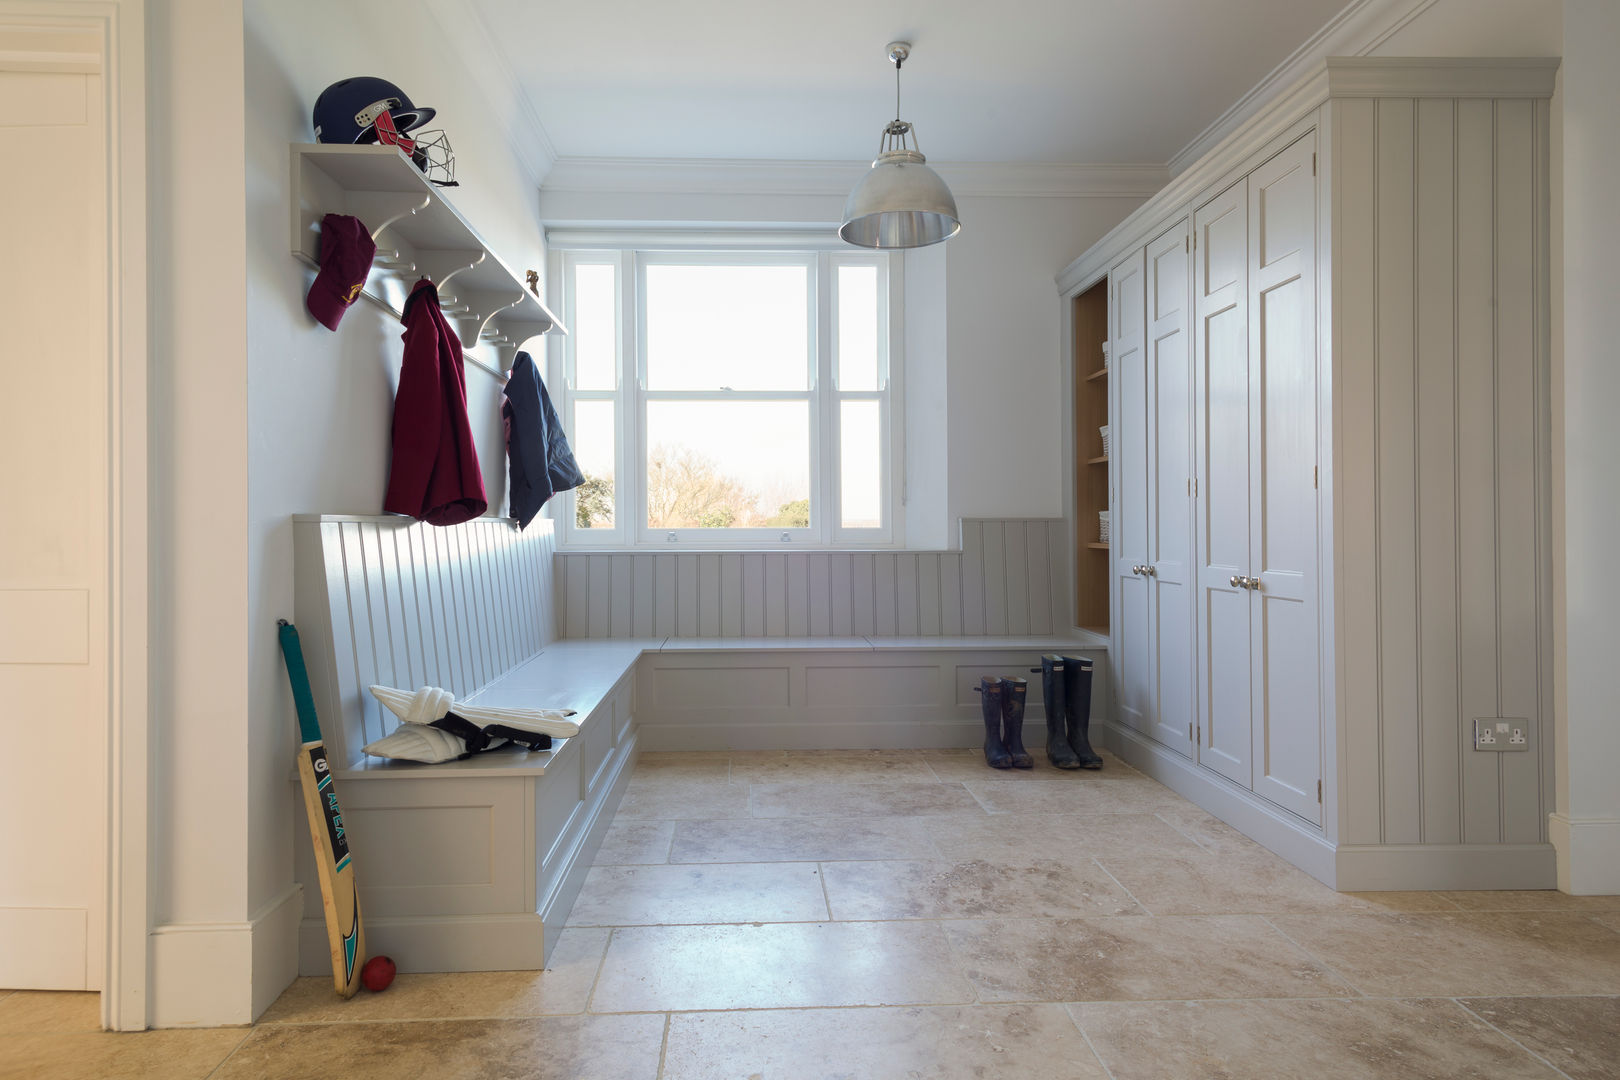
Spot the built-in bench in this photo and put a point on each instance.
(474, 865)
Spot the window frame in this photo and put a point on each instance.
(823, 395)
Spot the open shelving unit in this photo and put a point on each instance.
(419, 233)
(1092, 561)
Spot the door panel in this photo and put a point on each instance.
(1171, 613)
(1222, 441)
(53, 548)
(1128, 420)
(1283, 544)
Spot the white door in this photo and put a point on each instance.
(53, 532)
(1221, 412)
(1169, 383)
(1282, 464)
(1128, 522)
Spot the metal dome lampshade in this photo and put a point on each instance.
(901, 202)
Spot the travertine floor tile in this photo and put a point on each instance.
(682, 800)
(1209, 832)
(546, 1048)
(829, 800)
(1075, 794)
(798, 840)
(560, 989)
(1056, 836)
(39, 1012)
(140, 1055)
(1012, 1042)
(1460, 954)
(1262, 883)
(777, 966)
(1290, 1040)
(631, 842)
(1223, 956)
(936, 889)
(709, 893)
(681, 765)
(970, 764)
(1531, 900)
(1579, 1035)
(838, 766)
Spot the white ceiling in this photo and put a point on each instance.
(1087, 81)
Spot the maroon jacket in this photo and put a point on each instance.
(435, 475)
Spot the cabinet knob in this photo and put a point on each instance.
(1238, 582)
(1251, 583)
(1137, 569)
(1150, 571)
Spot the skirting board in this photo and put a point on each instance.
(1243, 810)
(195, 966)
(1426, 867)
(1349, 867)
(1588, 854)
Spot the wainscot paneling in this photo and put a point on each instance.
(409, 605)
(1009, 580)
(1443, 396)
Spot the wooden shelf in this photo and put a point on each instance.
(419, 234)
(1100, 460)
(1094, 546)
(1100, 373)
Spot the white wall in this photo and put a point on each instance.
(199, 828)
(1586, 822)
(1005, 408)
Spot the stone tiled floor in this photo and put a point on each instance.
(807, 916)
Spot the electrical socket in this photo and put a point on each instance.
(1502, 734)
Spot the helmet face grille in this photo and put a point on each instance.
(434, 157)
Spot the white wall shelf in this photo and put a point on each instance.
(419, 234)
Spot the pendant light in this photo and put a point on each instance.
(901, 202)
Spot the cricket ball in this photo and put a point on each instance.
(378, 974)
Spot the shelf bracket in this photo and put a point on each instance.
(380, 209)
(440, 266)
(521, 330)
(481, 306)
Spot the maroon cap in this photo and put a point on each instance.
(346, 252)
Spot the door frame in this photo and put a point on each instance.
(119, 56)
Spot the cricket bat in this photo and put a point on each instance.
(333, 862)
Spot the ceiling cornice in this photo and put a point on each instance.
(1360, 28)
(464, 26)
(738, 176)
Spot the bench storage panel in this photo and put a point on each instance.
(470, 865)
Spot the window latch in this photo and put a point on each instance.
(786, 538)
(669, 538)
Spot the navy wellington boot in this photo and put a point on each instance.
(1058, 750)
(995, 751)
(1077, 695)
(1013, 692)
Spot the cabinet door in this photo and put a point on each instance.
(1170, 588)
(1282, 459)
(1221, 413)
(1128, 545)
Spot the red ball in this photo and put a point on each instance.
(378, 974)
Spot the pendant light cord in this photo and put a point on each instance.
(897, 64)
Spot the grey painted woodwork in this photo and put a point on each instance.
(1009, 580)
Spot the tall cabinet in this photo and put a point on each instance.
(1305, 477)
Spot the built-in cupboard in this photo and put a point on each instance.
(1299, 329)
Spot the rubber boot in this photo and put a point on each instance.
(1013, 692)
(1077, 702)
(995, 751)
(1058, 750)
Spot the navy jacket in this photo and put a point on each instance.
(540, 460)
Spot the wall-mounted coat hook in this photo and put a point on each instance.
(392, 261)
(486, 305)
